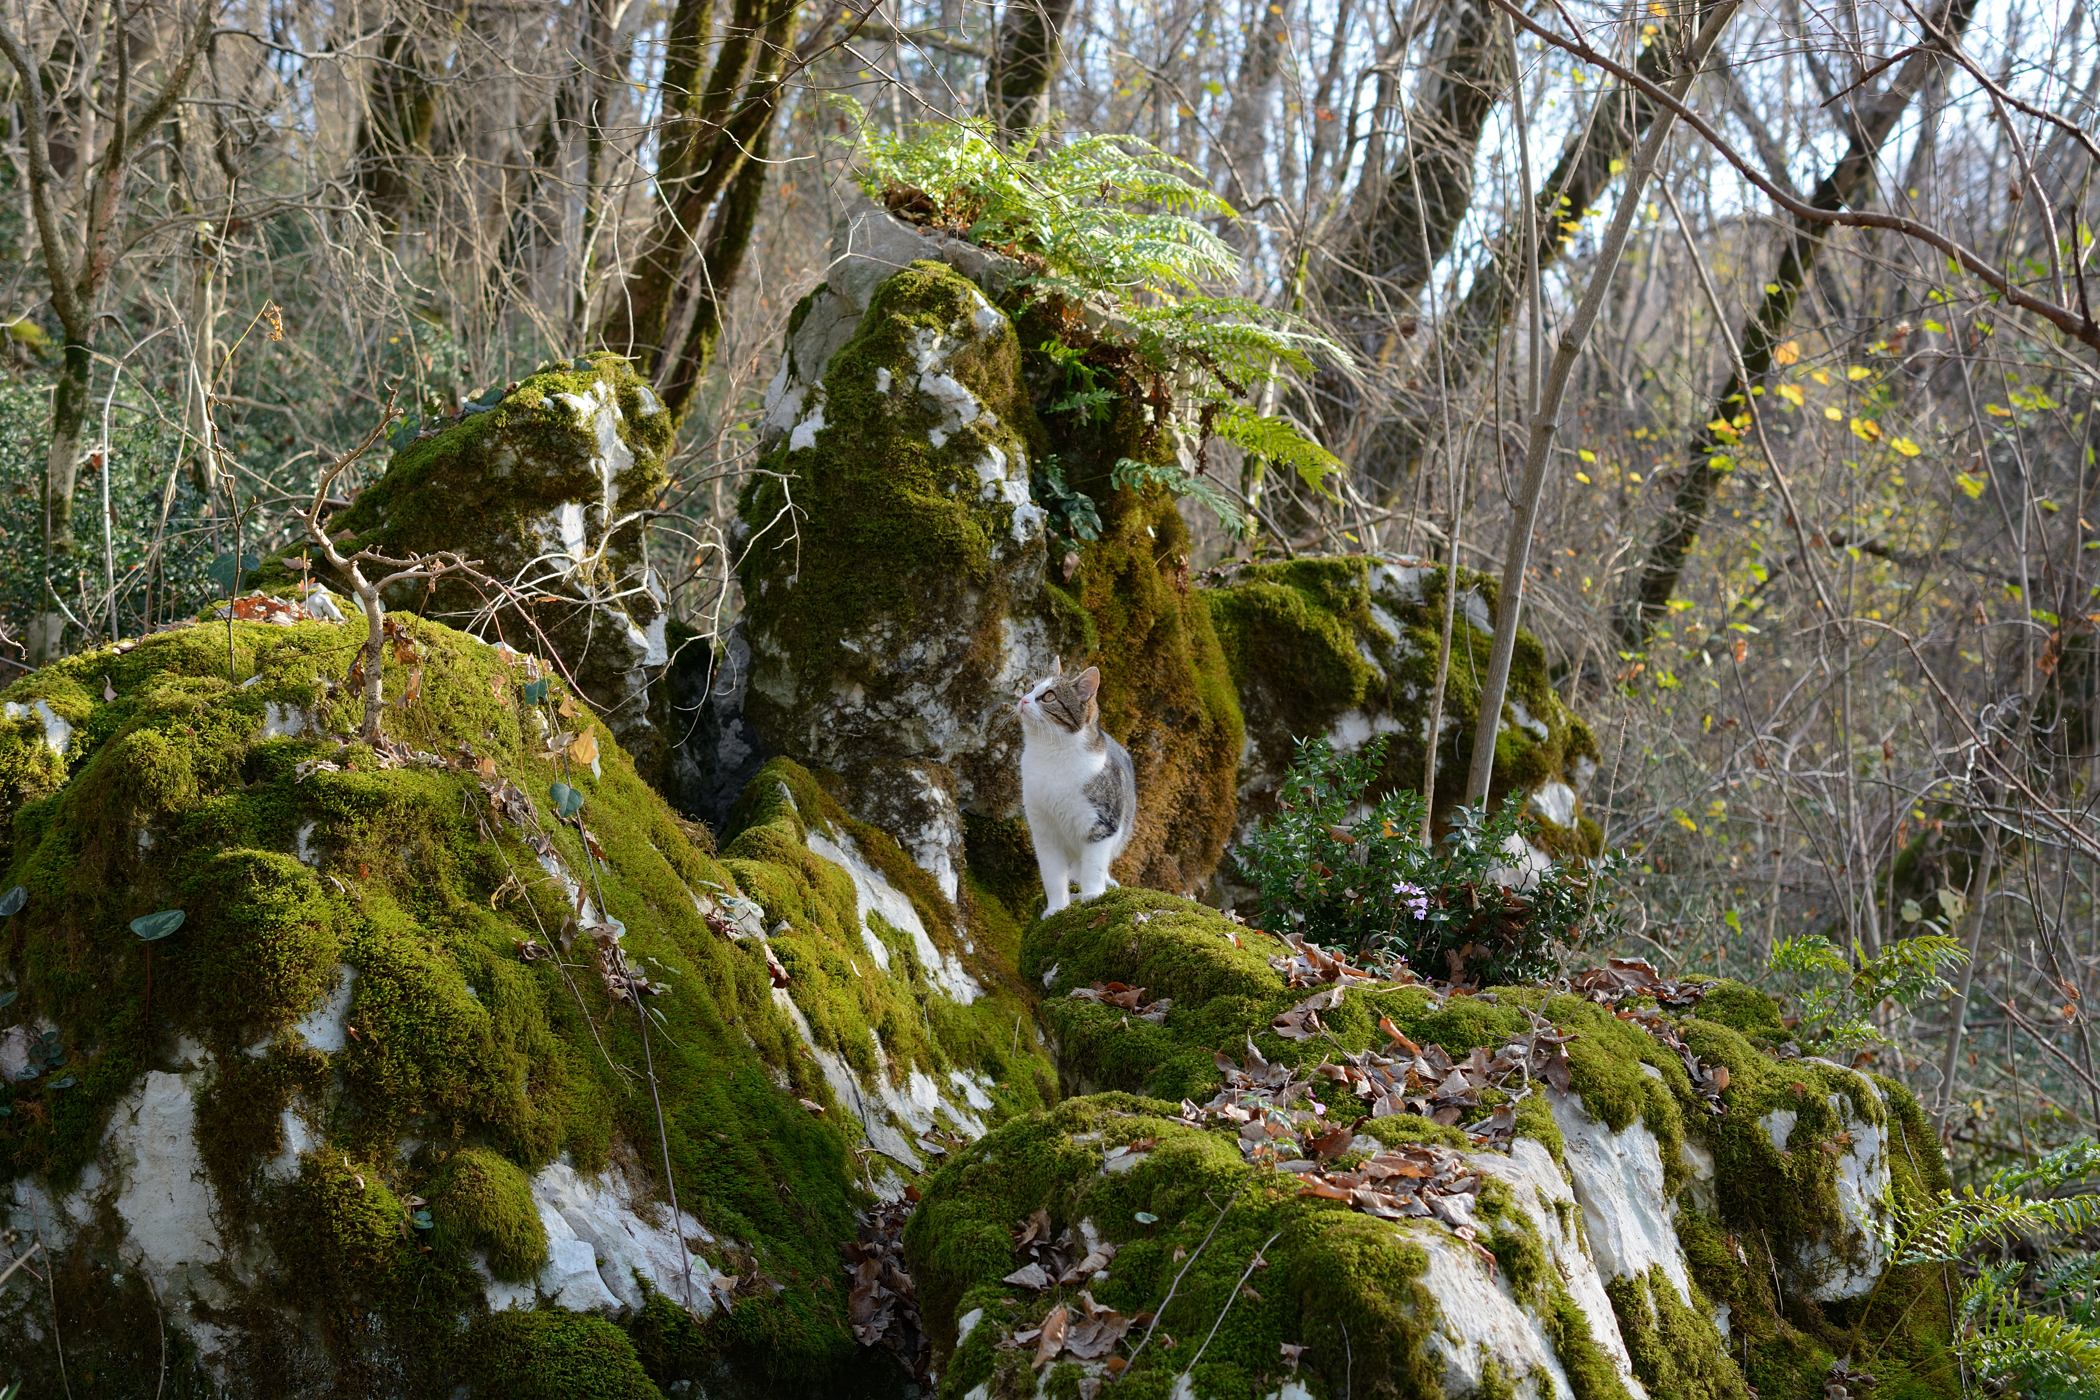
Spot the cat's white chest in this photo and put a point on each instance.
(1053, 790)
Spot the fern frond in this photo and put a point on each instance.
(1133, 474)
(1280, 441)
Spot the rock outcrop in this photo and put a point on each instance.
(460, 1026)
(472, 1067)
(546, 485)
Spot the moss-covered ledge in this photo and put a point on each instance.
(1346, 647)
(1745, 1196)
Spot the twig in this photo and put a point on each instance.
(1230, 1299)
(1187, 1264)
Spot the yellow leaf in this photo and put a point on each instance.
(1583, 477)
(1997, 410)
(1971, 485)
(1905, 446)
(1585, 454)
(1792, 394)
(1866, 430)
(1857, 372)
(1786, 354)
(583, 749)
(1821, 376)
(1833, 415)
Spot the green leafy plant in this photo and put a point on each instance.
(1352, 872)
(1073, 516)
(2023, 1329)
(1113, 219)
(1837, 997)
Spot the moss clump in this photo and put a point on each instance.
(485, 1201)
(1192, 1210)
(1311, 641)
(1675, 1347)
(346, 1228)
(882, 1026)
(555, 1356)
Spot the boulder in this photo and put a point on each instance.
(1286, 1177)
(897, 588)
(426, 1051)
(546, 485)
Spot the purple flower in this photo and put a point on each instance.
(1414, 897)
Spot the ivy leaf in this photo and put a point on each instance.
(567, 800)
(151, 928)
(226, 571)
(11, 903)
(536, 691)
(64, 1081)
(7, 998)
(422, 1220)
(584, 749)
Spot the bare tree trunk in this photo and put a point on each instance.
(1024, 60)
(1710, 456)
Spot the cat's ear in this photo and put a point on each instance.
(1087, 683)
(1057, 665)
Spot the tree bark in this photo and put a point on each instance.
(1709, 457)
(707, 137)
(1024, 60)
(393, 135)
(1392, 444)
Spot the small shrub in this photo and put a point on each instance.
(1354, 874)
(1838, 997)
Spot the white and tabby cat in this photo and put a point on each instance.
(1077, 786)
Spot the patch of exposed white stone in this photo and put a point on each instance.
(1618, 1180)
(896, 1118)
(1542, 1192)
(58, 733)
(878, 898)
(605, 1240)
(598, 409)
(283, 721)
(1847, 1265)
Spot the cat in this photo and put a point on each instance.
(1077, 786)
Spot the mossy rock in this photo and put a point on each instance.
(1346, 648)
(893, 581)
(386, 987)
(1738, 1199)
(895, 585)
(545, 489)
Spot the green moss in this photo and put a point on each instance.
(1325, 1270)
(485, 1201)
(873, 485)
(346, 1228)
(1166, 687)
(1306, 647)
(1675, 1347)
(555, 1356)
(294, 856)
